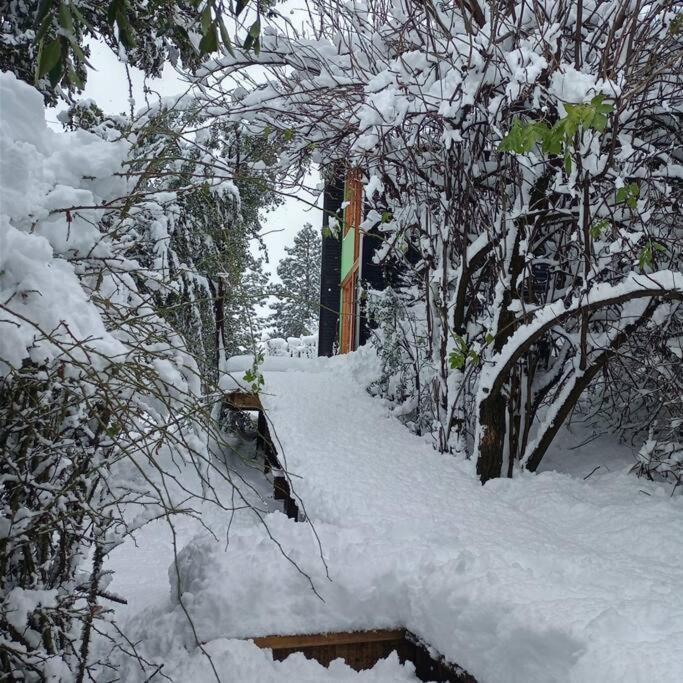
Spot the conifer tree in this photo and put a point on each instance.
(295, 311)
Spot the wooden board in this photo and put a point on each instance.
(240, 400)
(320, 639)
(363, 649)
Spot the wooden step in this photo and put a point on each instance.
(363, 649)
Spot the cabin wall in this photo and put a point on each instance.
(330, 276)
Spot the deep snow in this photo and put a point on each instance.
(544, 578)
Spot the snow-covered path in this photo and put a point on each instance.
(539, 579)
(543, 578)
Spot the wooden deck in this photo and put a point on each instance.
(239, 400)
(359, 649)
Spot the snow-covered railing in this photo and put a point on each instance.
(294, 347)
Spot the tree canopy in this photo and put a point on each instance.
(297, 297)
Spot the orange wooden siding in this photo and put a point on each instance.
(353, 214)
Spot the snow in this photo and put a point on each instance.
(569, 84)
(245, 662)
(633, 286)
(43, 173)
(542, 578)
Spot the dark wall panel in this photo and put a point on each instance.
(330, 271)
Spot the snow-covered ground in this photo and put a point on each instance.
(548, 577)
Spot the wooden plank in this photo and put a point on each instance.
(240, 400)
(322, 639)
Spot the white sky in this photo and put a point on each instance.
(108, 86)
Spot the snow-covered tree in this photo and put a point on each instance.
(245, 302)
(201, 222)
(523, 161)
(297, 295)
(109, 239)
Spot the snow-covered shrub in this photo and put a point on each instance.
(400, 340)
(293, 347)
(98, 393)
(195, 226)
(305, 346)
(640, 394)
(526, 173)
(276, 347)
(661, 460)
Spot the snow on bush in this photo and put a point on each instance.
(45, 242)
(94, 385)
(523, 175)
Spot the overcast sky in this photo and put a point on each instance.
(108, 86)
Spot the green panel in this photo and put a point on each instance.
(347, 253)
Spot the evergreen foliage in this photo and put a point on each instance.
(126, 273)
(45, 41)
(210, 284)
(297, 305)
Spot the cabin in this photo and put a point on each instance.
(347, 267)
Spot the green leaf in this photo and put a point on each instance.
(456, 360)
(225, 37)
(113, 430)
(488, 338)
(43, 28)
(75, 78)
(65, 19)
(645, 258)
(112, 12)
(79, 16)
(628, 194)
(676, 25)
(567, 162)
(460, 343)
(386, 216)
(597, 228)
(288, 135)
(43, 10)
(49, 57)
(553, 140)
(126, 35)
(599, 122)
(517, 139)
(600, 106)
(209, 41)
(523, 136)
(78, 53)
(255, 30)
(205, 20)
(55, 74)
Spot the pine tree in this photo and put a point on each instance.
(248, 294)
(295, 312)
